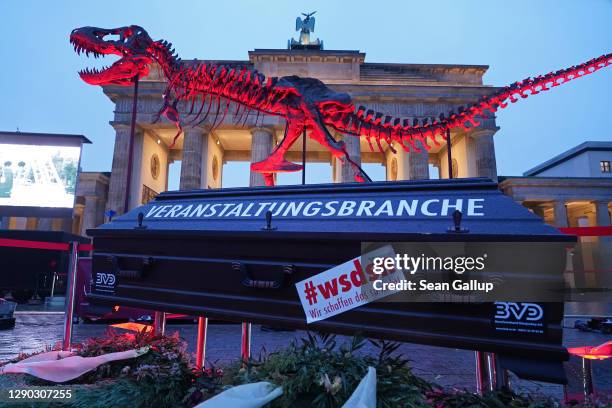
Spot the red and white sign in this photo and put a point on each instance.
(345, 286)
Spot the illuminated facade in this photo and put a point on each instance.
(573, 189)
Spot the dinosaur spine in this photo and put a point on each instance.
(368, 124)
(252, 90)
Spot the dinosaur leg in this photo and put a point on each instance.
(269, 179)
(320, 133)
(359, 174)
(276, 161)
(170, 111)
(337, 148)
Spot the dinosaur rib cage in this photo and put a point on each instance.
(251, 89)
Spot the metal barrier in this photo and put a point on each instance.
(70, 292)
(201, 342)
(159, 323)
(245, 349)
(53, 284)
(490, 376)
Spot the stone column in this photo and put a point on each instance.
(118, 181)
(560, 214)
(195, 149)
(261, 146)
(602, 214)
(344, 172)
(89, 214)
(485, 152)
(418, 163)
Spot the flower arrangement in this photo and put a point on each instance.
(317, 371)
(157, 378)
(320, 373)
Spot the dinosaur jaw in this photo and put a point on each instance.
(121, 72)
(92, 40)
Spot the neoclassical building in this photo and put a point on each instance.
(573, 189)
(401, 90)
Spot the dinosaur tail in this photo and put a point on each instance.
(414, 136)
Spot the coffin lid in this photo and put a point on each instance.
(380, 211)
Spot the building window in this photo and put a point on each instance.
(604, 165)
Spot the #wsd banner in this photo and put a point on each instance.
(346, 286)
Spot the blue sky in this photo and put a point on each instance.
(42, 92)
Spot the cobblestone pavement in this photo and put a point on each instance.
(448, 367)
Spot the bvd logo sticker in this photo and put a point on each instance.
(518, 311)
(105, 280)
(519, 317)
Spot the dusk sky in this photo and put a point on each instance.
(43, 93)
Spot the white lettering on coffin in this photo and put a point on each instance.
(434, 207)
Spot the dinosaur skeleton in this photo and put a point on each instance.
(306, 104)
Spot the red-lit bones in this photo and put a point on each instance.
(305, 103)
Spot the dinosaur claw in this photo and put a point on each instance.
(274, 166)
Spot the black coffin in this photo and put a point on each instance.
(213, 253)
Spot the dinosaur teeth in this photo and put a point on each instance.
(80, 48)
(92, 71)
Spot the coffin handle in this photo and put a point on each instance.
(132, 273)
(249, 282)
